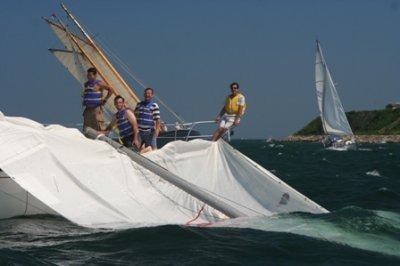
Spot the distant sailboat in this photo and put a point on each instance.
(334, 120)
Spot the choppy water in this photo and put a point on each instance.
(361, 188)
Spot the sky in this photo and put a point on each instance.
(190, 51)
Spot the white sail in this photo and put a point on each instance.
(92, 184)
(74, 62)
(105, 69)
(333, 116)
(79, 56)
(61, 34)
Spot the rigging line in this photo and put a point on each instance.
(232, 201)
(138, 80)
(130, 72)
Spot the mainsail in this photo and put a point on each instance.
(92, 184)
(333, 117)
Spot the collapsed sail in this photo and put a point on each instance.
(92, 184)
(333, 116)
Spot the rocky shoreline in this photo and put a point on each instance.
(358, 138)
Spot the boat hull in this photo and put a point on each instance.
(182, 134)
(15, 201)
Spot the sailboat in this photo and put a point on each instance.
(334, 121)
(95, 182)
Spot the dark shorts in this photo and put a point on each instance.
(147, 138)
(128, 142)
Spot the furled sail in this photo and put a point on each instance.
(92, 184)
(333, 117)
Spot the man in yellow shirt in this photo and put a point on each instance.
(229, 116)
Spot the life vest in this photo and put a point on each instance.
(145, 115)
(124, 125)
(90, 95)
(231, 104)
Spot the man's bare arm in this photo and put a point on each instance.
(157, 127)
(111, 125)
(238, 115)
(110, 90)
(132, 119)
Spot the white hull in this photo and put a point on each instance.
(15, 201)
(342, 147)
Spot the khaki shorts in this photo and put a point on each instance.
(93, 117)
(227, 121)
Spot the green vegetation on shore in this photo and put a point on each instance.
(377, 122)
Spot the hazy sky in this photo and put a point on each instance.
(190, 51)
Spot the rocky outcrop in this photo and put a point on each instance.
(358, 138)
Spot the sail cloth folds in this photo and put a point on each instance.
(89, 182)
(93, 185)
(333, 116)
(234, 178)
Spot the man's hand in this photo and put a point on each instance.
(136, 143)
(236, 122)
(218, 119)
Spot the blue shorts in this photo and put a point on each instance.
(148, 138)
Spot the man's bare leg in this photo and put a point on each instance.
(218, 134)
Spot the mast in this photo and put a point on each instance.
(72, 37)
(91, 42)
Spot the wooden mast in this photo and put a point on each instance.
(91, 42)
(64, 28)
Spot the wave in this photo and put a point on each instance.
(373, 173)
(375, 231)
(297, 238)
(364, 149)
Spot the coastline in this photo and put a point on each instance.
(359, 138)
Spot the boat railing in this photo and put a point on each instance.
(189, 127)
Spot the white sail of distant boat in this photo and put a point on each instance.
(333, 116)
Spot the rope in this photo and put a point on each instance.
(196, 217)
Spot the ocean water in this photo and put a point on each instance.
(361, 188)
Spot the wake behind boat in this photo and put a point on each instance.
(334, 120)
